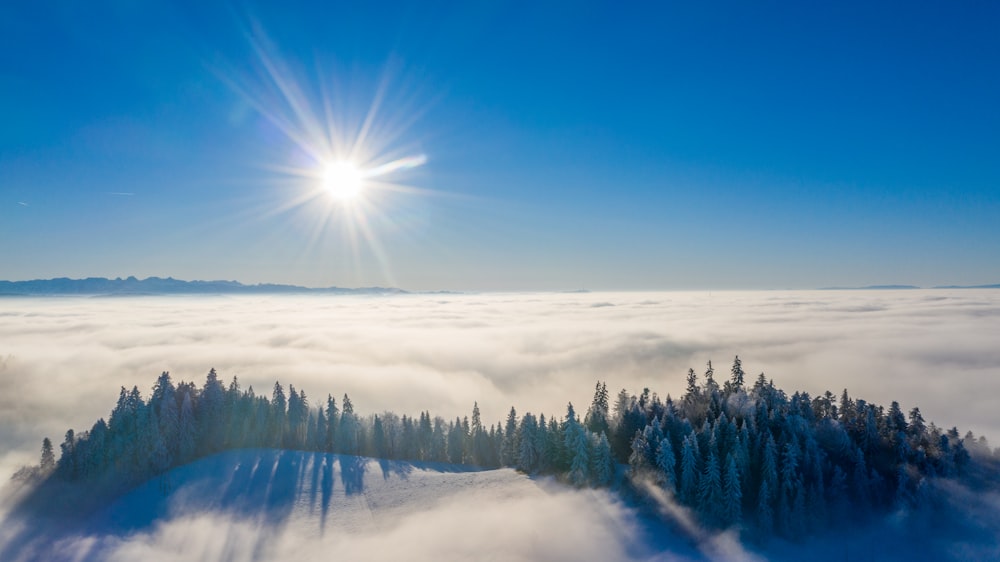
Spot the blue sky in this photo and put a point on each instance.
(583, 145)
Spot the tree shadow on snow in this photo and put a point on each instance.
(262, 486)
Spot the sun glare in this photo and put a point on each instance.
(343, 180)
(345, 164)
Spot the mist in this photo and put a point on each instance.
(62, 360)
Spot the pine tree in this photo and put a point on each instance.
(332, 423)
(846, 410)
(378, 438)
(597, 415)
(735, 383)
(456, 442)
(917, 429)
(211, 409)
(511, 444)
(348, 436)
(622, 428)
(579, 470)
(732, 512)
(790, 497)
(765, 511)
(769, 465)
(527, 456)
(318, 440)
(603, 464)
(479, 438)
(67, 458)
(164, 405)
(637, 461)
(689, 470)
(710, 499)
(425, 436)
(48, 461)
(186, 430)
(159, 457)
(692, 386)
(711, 387)
(439, 444)
(838, 494)
(666, 461)
(277, 419)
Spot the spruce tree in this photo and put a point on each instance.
(48, 461)
(186, 430)
(732, 492)
(332, 423)
(735, 383)
(603, 464)
(666, 461)
(689, 471)
(527, 455)
(511, 443)
(597, 415)
(765, 509)
(710, 499)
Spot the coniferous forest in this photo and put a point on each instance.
(739, 454)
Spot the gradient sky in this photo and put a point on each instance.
(583, 145)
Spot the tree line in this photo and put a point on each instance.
(737, 454)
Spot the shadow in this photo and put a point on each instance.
(259, 486)
(352, 474)
(284, 487)
(395, 468)
(326, 490)
(314, 466)
(256, 485)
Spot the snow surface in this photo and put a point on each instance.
(287, 505)
(280, 505)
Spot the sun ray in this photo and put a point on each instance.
(345, 169)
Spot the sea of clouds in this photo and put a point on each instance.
(62, 361)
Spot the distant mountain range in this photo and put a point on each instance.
(994, 286)
(161, 286)
(870, 288)
(169, 286)
(902, 287)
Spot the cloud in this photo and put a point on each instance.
(62, 361)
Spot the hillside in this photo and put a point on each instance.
(267, 504)
(721, 467)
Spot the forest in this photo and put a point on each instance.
(745, 456)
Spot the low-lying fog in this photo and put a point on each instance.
(62, 360)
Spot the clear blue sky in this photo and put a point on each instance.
(579, 145)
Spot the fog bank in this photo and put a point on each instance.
(63, 359)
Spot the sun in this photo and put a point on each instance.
(343, 180)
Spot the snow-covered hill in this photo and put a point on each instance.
(288, 505)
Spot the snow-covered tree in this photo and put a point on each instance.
(689, 470)
(48, 462)
(710, 497)
(602, 463)
(666, 461)
(596, 420)
(732, 493)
